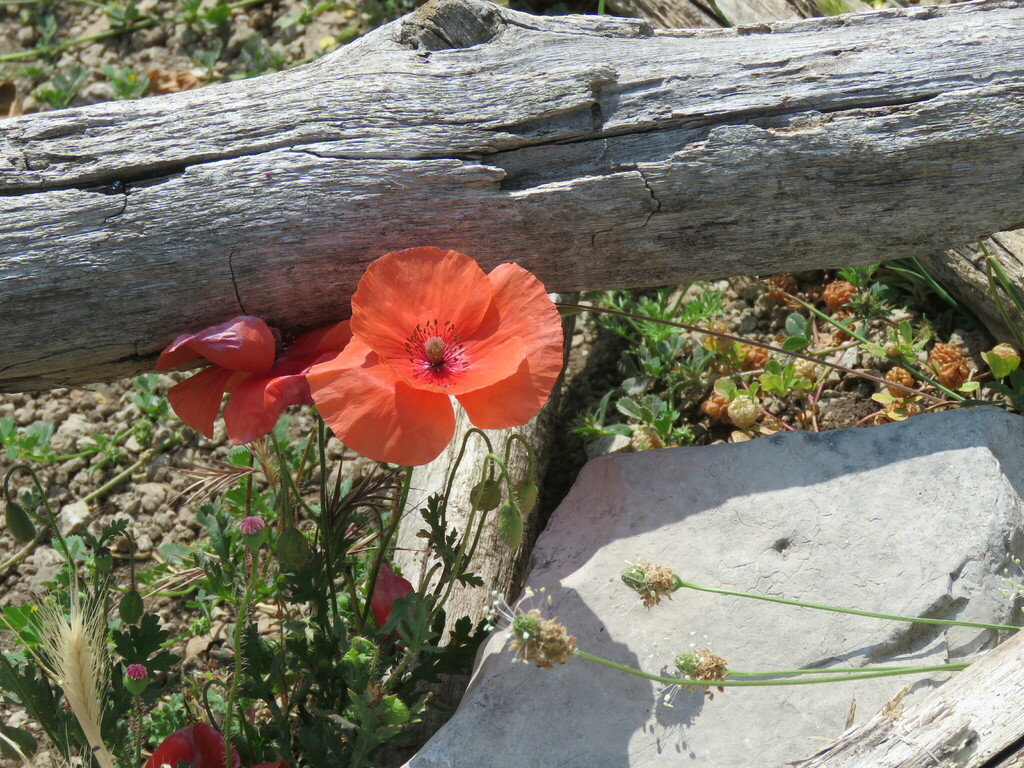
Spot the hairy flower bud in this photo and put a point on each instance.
(486, 495)
(131, 607)
(292, 549)
(510, 524)
(19, 523)
(393, 711)
(526, 496)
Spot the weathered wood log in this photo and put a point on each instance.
(673, 14)
(963, 271)
(974, 720)
(593, 151)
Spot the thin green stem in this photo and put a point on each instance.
(43, 50)
(385, 541)
(853, 611)
(917, 373)
(956, 667)
(240, 624)
(50, 516)
(751, 683)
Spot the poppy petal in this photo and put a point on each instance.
(375, 413)
(198, 744)
(307, 348)
(258, 402)
(485, 361)
(196, 400)
(403, 289)
(524, 305)
(210, 748)
(243, 343)
(172, 750)
(386, 590)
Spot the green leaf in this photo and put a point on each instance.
(1000, 366)
(875, 350)
(796, 343)
(143, 644)
(796, 325)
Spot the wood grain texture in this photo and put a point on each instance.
(971, 721)
(593, 151)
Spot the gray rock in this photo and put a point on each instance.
(608, 444)
(71, 430)
(918, 518)
(151, 496)
(73, 515)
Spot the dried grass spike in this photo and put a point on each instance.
(74, 645)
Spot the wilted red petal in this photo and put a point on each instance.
(388, 588)
(198, 744)
(403, 289)
(243, 343)
(306, 348)
(196, 400)
(257, 402)
(524, 306)
(375, 413)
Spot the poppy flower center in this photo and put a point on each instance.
(436, 352)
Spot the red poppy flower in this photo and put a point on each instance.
(199, 744)
(388, 588)
(427, 324)
(242, 353)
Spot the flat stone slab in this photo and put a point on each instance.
(918, 518)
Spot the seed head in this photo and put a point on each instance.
(651, 582)
(702, 664)
(541, 641)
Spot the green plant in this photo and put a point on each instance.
(261, 59)
(591, 424)
(125, 83)
(309, 11)
(658, 419)
(63, 88)
(783, 381)
(207, 17)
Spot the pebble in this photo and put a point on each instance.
(71, 430)
(152, 496)
(73, 515)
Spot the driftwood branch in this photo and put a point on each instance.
(593, 151)
(974, 720)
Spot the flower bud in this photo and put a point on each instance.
(526, 495)
(103, 559)
(393, 711)
(136, 679)
(252, 532)
(486, 495)
(130, 608)
(510, 524)
(19, 523)
(293, 550)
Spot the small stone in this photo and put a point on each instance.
(73, 515)
(152, 496)
(607, 444)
